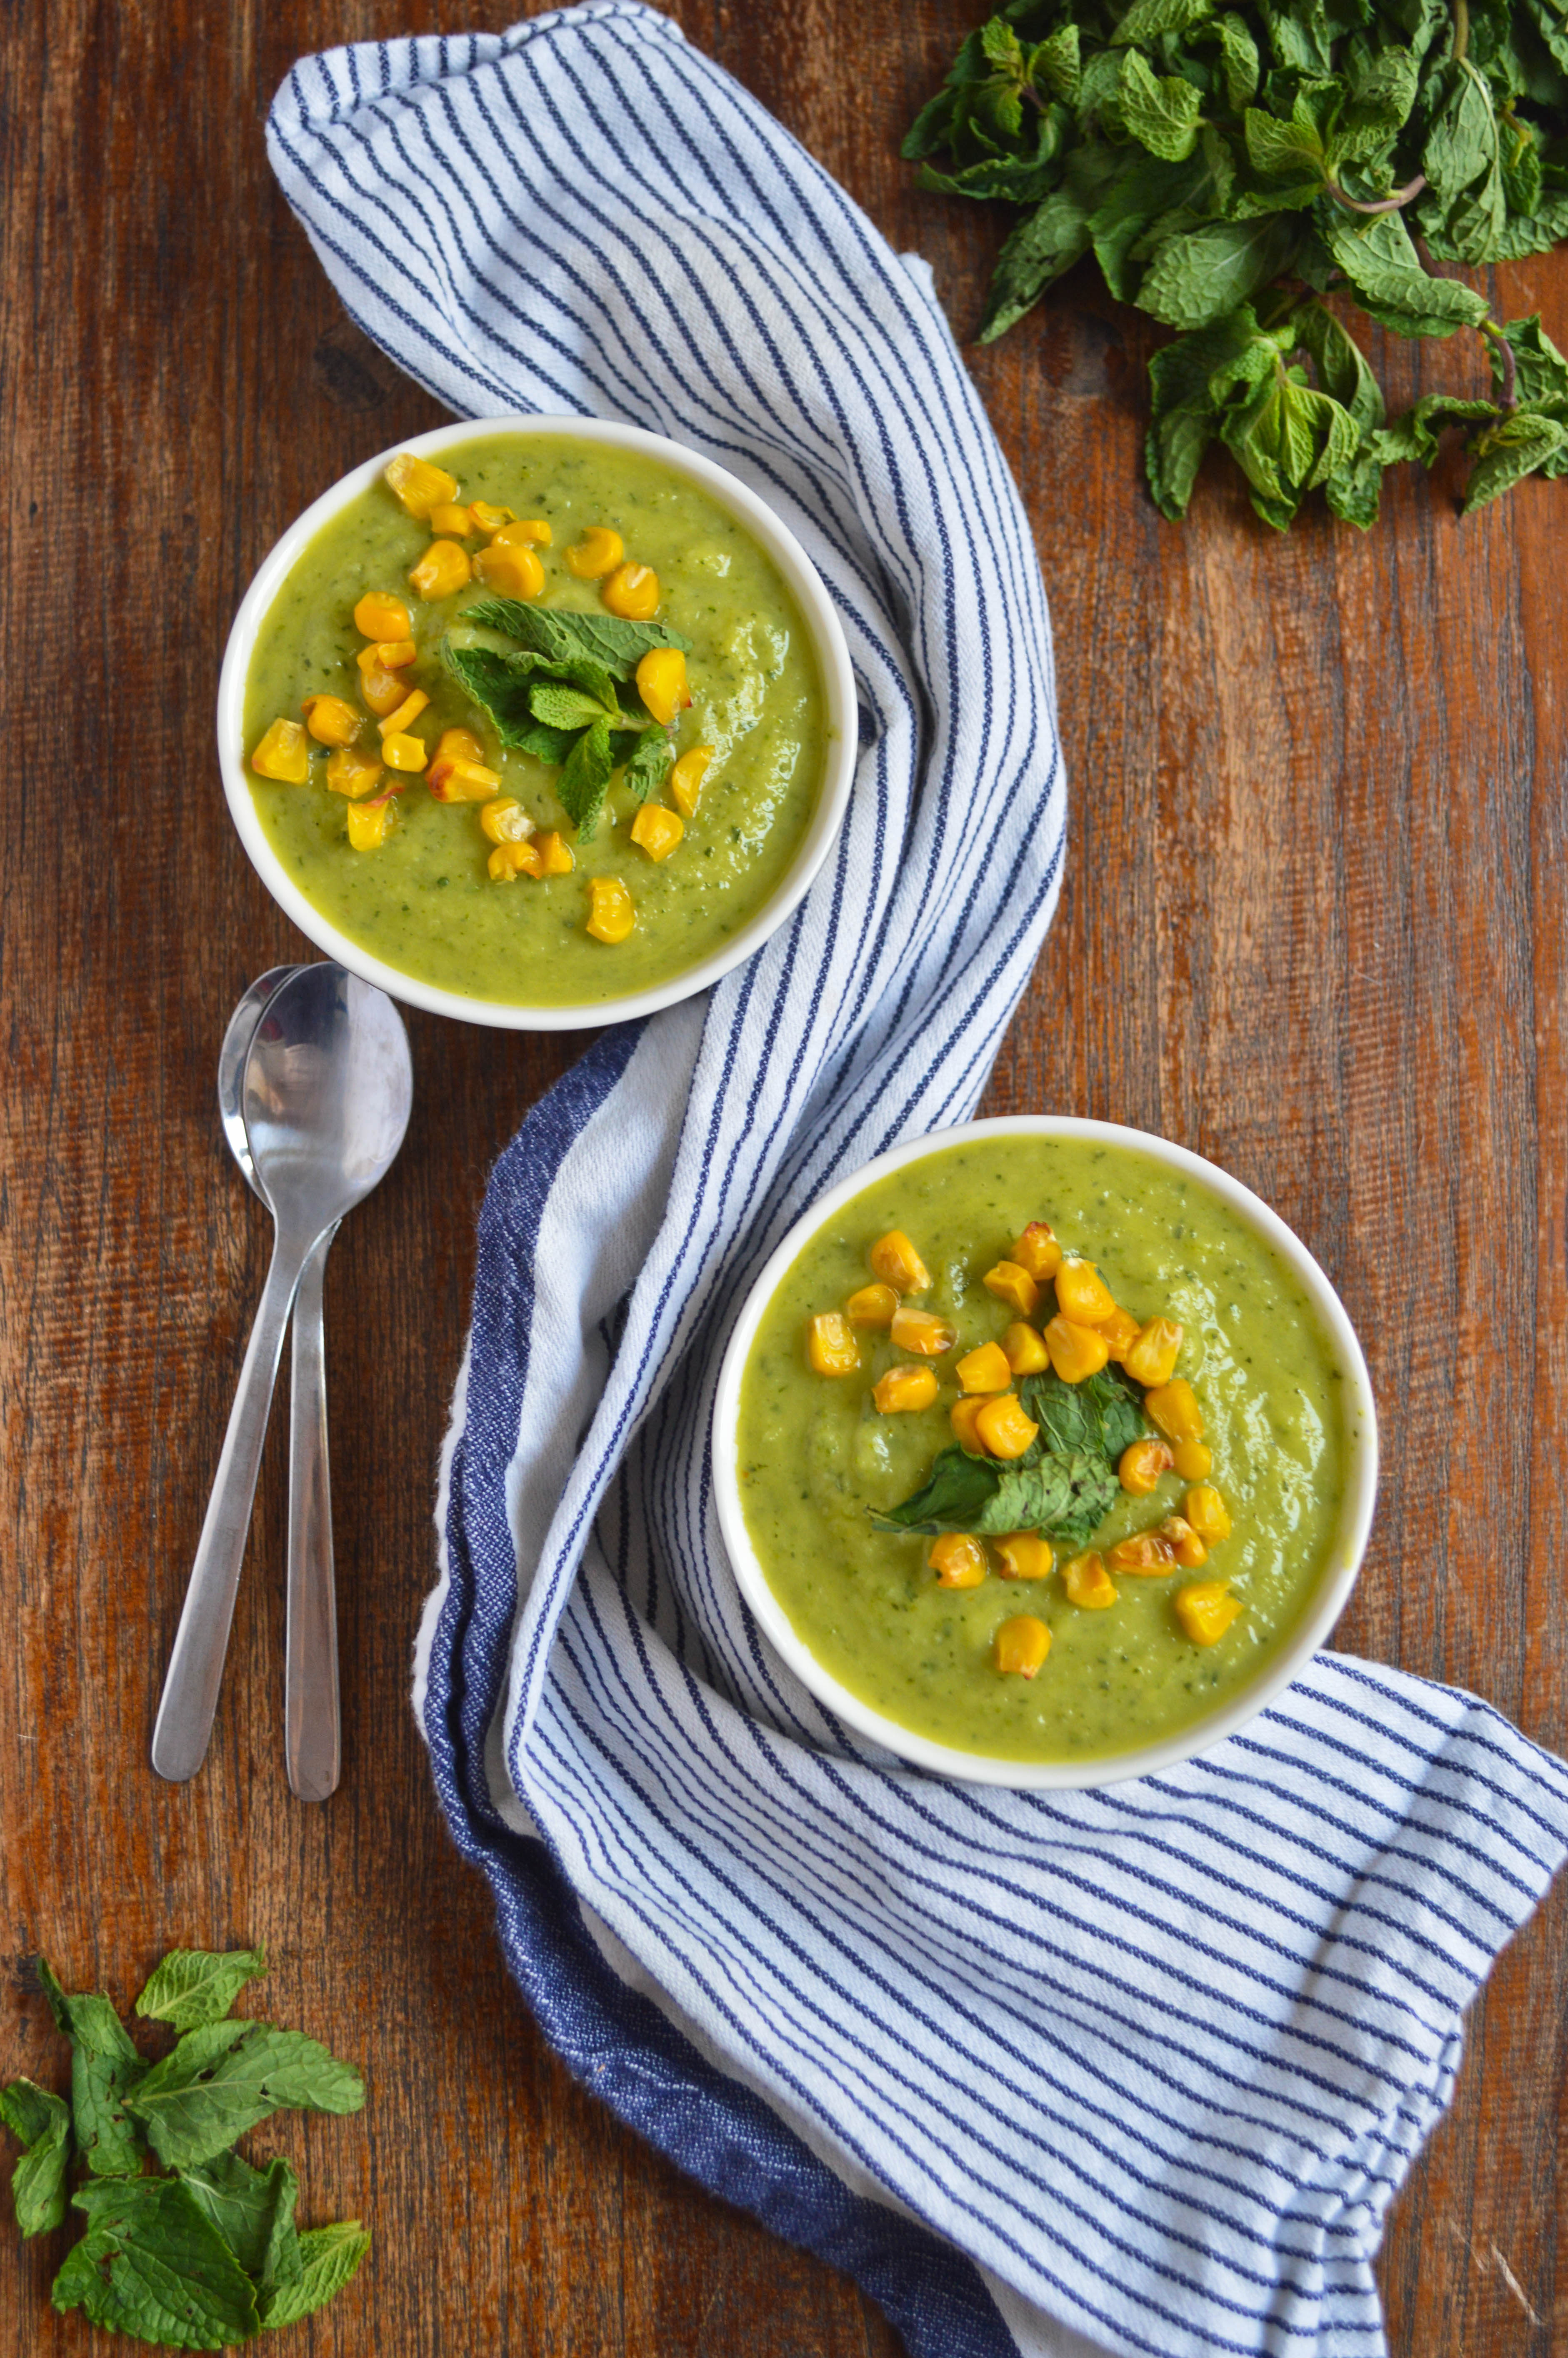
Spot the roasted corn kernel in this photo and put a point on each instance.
(1190, 1549)
(405, 714)
(657, 830)
(1119, 1330)
(1194, 1460)
(1038, 1251)
(1012, 1284)
(1003, 1425)
(511, 570)
(1026, 1556)
(370, 824)
(897, 1263)
(442, 570)
(1025, 1350)
(454, 745)
(687, 776)
(1021, 1646)
(661, 683)
(1087, 1583)
(1206, 1511)
(1206, 1610)
(419, 486)
(1082, 1293)
(465, 782)
(557, 857)
(387, 655)
(599, 552)
(382, 690)
(402, 753)
(610, 912)
(283, 752)
(958, 1561)
(505, 820)
(1151, 1359)
(830, 1345)
(1173, 1408)
(963, 1415)
(510, 861)
(1075, 1351)
(489, 518)
(632, 592)
(451, 520)
(526, 532)
(329, 720)
(1145, 1551)
(353, 771)
(1140, 1466)
(984, 1369)
(379, 616)
(921, 1331)
(904, 1388)
(872, 1305)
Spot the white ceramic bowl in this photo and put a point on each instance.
(1345, 1556)
(833, 664)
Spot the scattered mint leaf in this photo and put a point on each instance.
(197, 1986)
(223, 2078)
(152, 2265)
(1064, 1497)
(1540, 371)
(1047, 243)
(252, 2209)
(329, 2256)
(1383, 267)
(502, 684)
(42, 2123)
(1195, 281)
(105, 2069)
(648, 763)
(1104, 1414)
(1519, 446)
(559, 635)
(585, 779)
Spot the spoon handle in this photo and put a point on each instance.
(196, 1666)
(311, 1743)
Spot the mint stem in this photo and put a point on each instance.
(1380, 204)
(1508, 399)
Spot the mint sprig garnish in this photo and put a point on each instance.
(209, 2253)
(1064, 1486)
(563, 693)
(1230, 166)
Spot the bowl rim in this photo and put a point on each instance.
(1346, 1554)
(824, 628)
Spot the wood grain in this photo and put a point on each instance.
(1314, 925)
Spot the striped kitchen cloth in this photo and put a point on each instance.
(1136, 2069)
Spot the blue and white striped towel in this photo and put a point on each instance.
(1135, 2071)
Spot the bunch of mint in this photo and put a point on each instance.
(1230, 168)
(204, 2253)
(562, 694)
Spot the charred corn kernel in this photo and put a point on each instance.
(557, 857)
(1087, 1583)
(505, 821)
(1151, 1359)
(1038, 1251)
(381, 617)
(599, 552)
(1022, 1645)
(657, 831)
(1003, 1427)
(444, 570)
(448, 518)
(329, 720)
(1207, 1513)
(515, 572)
(958, 1561)
(408, 711)
(661, 683)
(830, 1345)
(921, 1331)
(284, 752)
(454, 745)
(1075, 1351)
(1119, 1330)
(370, 824)
(632, 592)
(1145, 1551)
(687, 776)
(419, 486)
(1173, 1408)
(1082, 1293)
(1190, 1550)
(611, 915)
(984, 1369)
(1014, 1286)
(872, 1305)
(904, 1388)
(1026, 1556)
(486, 517)
(963, 1413)
(387, 655)
(525, 532)
(383, 691)
(1141, 1464)
(897, 1263)
(403, 752)
(352, 772)
(1206, 1610)
(1025, 1350)
(464, 781)
(1193, 1460)
(510, 861)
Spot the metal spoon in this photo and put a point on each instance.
(326, 1098)
(312, 1741)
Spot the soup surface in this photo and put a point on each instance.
(424, 899)
(817, 1458)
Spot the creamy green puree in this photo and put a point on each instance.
(813, 1454)
(424, 900)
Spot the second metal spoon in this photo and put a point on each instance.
(312, 1727)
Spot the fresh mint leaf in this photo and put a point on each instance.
(1540, 371)
(105, 2069)
(252, 2209)
(42, 2123)
(1044, 243)
(585, 779)
(1148, 20)
(502, 684)
(955, 1494)
(1160, 110)
(1064, 1498)
(1381, 94)
(329, 2256)
(152, 2265)
(648, 763)
(1286, 151)
(1102, 1415)
(1378, 259)
(1289, 438)
(559, 635)
(196, 1986)
(1240, 63)
(1521, 445)
(1195, 281)
(1415, 435)
(564, 707)
(222, 2079)
(1057, 63)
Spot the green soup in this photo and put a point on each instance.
(424, 900)
(814, 1456)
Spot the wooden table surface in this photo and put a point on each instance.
(1314, 925)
